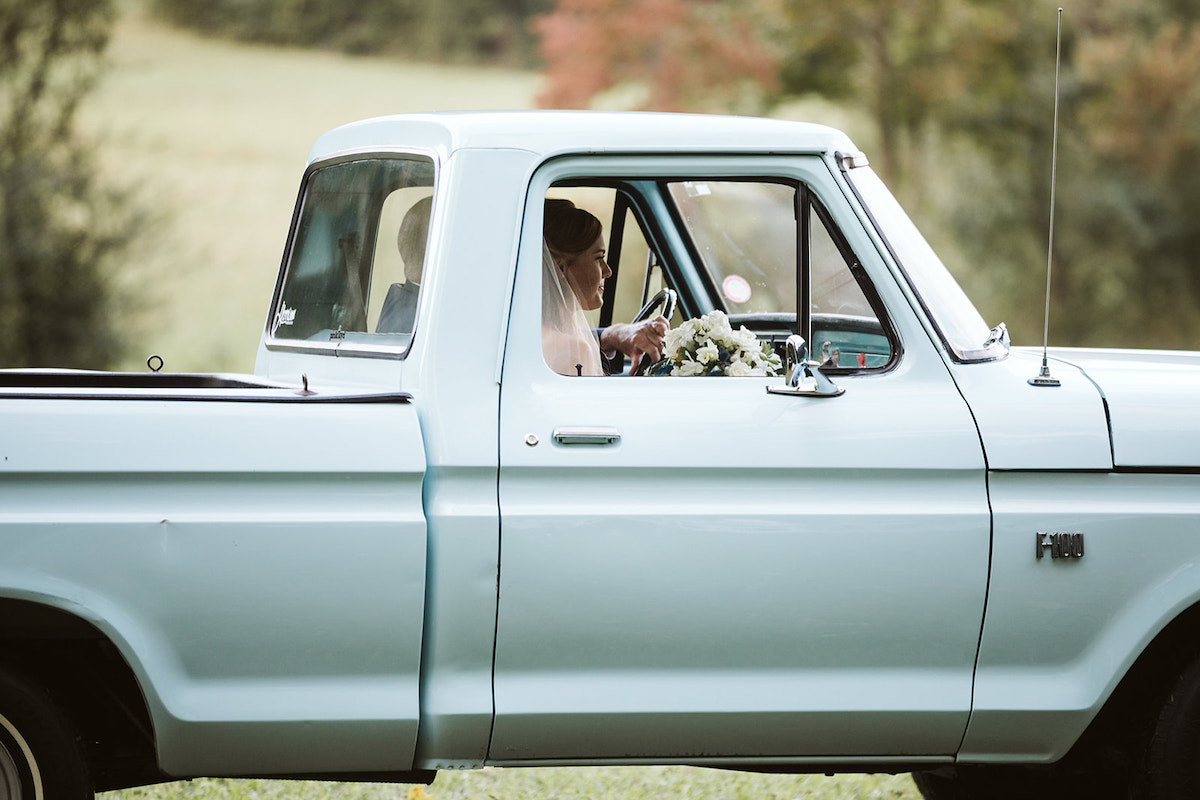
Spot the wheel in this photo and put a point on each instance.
(959, 784)
(1173, 756)
(41, 758)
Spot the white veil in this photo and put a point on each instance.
(568, 344)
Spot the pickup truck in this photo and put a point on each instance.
(406, 544)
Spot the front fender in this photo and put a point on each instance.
(1060, 634)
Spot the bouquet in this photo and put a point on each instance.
(708, 345)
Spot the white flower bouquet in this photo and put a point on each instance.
(708, 345)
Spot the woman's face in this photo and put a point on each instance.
(586, 273)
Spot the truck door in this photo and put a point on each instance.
(694, 568)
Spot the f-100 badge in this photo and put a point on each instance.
(1060, 545)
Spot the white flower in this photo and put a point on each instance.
(676, 340)
(718, 325)
(687, 369)
(745, 338)
(708, 345)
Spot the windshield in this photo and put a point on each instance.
(958, 322)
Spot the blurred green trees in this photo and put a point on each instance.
(457, 30)
(1127, 233)
(60, 228)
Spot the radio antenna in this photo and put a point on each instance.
(1044, 378)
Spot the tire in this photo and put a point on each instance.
(41, 758)
(1173, 756)
(978, 783)
(934, 786)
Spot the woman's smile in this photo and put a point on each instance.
(586, 273)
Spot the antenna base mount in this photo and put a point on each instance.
(1044, 378)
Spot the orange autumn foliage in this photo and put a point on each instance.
(687, 55)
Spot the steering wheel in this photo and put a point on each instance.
(667, 299)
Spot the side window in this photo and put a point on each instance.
(847, 332)
(357, 256)
(752, 261)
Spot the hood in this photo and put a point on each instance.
(1153, 402)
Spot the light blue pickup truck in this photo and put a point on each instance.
(408, 543)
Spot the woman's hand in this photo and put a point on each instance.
(636, 339)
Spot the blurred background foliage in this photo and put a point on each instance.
(62, 229)
(958, 101)
(957, 98)
(951, 99)
(488, 31)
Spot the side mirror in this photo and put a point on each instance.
(795, 353)
(804, 377)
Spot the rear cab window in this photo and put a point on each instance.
(356, 258)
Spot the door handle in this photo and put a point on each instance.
(587, 435)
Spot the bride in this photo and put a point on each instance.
(573, 273)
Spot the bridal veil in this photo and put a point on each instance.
(568, 343)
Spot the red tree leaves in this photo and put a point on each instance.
(698, 55)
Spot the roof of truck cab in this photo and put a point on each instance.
(553, 133)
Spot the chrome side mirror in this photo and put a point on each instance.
(804, 377)
(795, 353)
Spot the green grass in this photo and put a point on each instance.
(583, 783)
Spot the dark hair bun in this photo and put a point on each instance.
(569, 230)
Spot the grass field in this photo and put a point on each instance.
(590, 783)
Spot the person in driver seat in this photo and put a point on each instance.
(573, 274)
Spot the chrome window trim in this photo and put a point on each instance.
(343, 348)
(340, 349)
